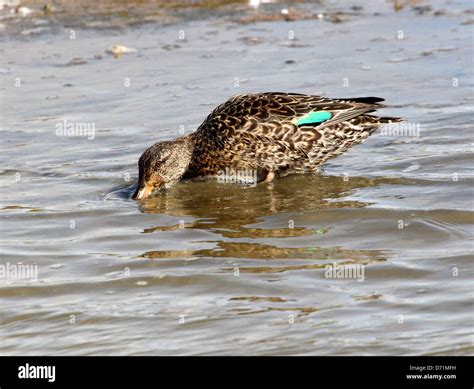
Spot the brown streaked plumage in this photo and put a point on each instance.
(270, 133)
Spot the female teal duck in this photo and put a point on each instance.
(269, 133)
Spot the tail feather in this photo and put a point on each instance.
(364, 100)
(385, 119)
(389, 119)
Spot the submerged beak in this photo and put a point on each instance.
(143, 191)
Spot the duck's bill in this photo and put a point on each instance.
(142, 192)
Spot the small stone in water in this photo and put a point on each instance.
(23, 11)
(118, 50)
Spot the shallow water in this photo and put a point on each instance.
(212, 268)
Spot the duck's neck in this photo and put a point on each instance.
(188, 141)
(186, 146)
(198, 154)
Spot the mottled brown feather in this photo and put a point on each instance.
(258, 131)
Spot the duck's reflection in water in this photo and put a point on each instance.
(229, 210)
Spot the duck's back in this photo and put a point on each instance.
(281, 132)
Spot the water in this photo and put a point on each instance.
(212, 268)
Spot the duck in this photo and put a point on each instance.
(272, 134)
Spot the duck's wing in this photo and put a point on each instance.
(251, 112)
(283, 125)
(296, 108)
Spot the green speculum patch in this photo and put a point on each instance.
(314, 117)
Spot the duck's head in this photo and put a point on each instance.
(161, 165)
